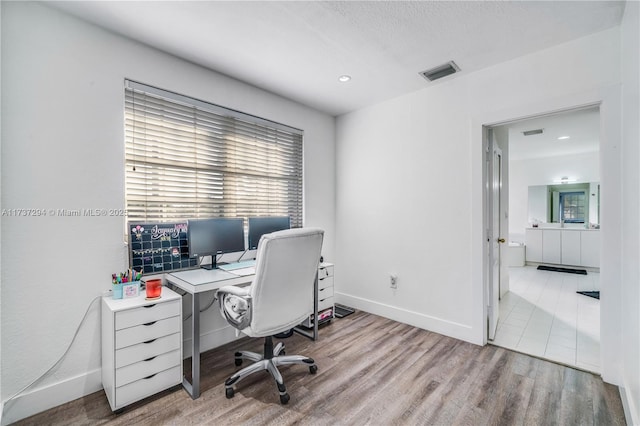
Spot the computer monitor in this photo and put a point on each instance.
(210, 237)
(258, 226)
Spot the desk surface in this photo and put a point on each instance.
(200, 280)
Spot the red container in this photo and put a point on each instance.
(154, 289)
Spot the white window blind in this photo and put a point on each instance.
(185, 158)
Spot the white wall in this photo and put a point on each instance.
(541, 171)
(62, 147)
(409, 184)
(630, 295)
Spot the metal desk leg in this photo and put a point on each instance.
(314, 334)
(193, 388)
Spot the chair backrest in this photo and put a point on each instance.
(282, 290)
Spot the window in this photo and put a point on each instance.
(185, 158)
(572, 206)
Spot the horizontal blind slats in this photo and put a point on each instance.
(183, 161)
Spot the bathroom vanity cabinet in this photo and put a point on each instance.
(563, 246)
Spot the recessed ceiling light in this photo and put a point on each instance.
(344, 78)
(561, 138)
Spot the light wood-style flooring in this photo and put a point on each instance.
(374, 371)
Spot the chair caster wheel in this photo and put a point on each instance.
(229, 392)
(238, 362)
(313, 369)
(284, 398)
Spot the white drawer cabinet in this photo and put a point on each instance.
(325, 295)
(141, 347)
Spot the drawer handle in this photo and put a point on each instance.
(148, 377)
(150, 323)
(149, 359)
(150, 341)
(322, 289)
(322, 278)
(150, 306)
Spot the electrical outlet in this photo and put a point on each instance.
(394, 281)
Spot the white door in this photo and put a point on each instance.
(495, 179)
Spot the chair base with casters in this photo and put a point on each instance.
(270, 360)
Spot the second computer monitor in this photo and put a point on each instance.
(258, 226)
(209, 237)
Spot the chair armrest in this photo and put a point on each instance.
(235, 305)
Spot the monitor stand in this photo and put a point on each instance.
(213, 265)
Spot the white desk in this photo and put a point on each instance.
(196, 281)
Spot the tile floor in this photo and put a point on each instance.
(542, 315)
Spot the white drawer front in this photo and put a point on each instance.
(325, 271)
(148, 386)
(146, 368)
(323, 293)
(147, 349)
(325, 282)
(145, 332)
(325, 303)
(147, 313)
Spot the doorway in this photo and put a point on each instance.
(539, 312)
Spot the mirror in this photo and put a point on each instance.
(570, 205)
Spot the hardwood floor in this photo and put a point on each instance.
(375, 371)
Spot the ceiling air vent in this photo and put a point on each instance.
(441, 71)
(532, 132)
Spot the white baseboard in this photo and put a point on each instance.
(631, 414)
(49, 396)
(417, 319)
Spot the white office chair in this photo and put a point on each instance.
(279, 298)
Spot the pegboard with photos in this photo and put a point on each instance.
(159, 247)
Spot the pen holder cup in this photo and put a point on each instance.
(116, 291)
(153, 289)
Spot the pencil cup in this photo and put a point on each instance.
(117, 291)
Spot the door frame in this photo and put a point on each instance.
(488, 143)
(609, 99)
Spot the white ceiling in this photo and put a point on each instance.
(582, 126)
(298, 49)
